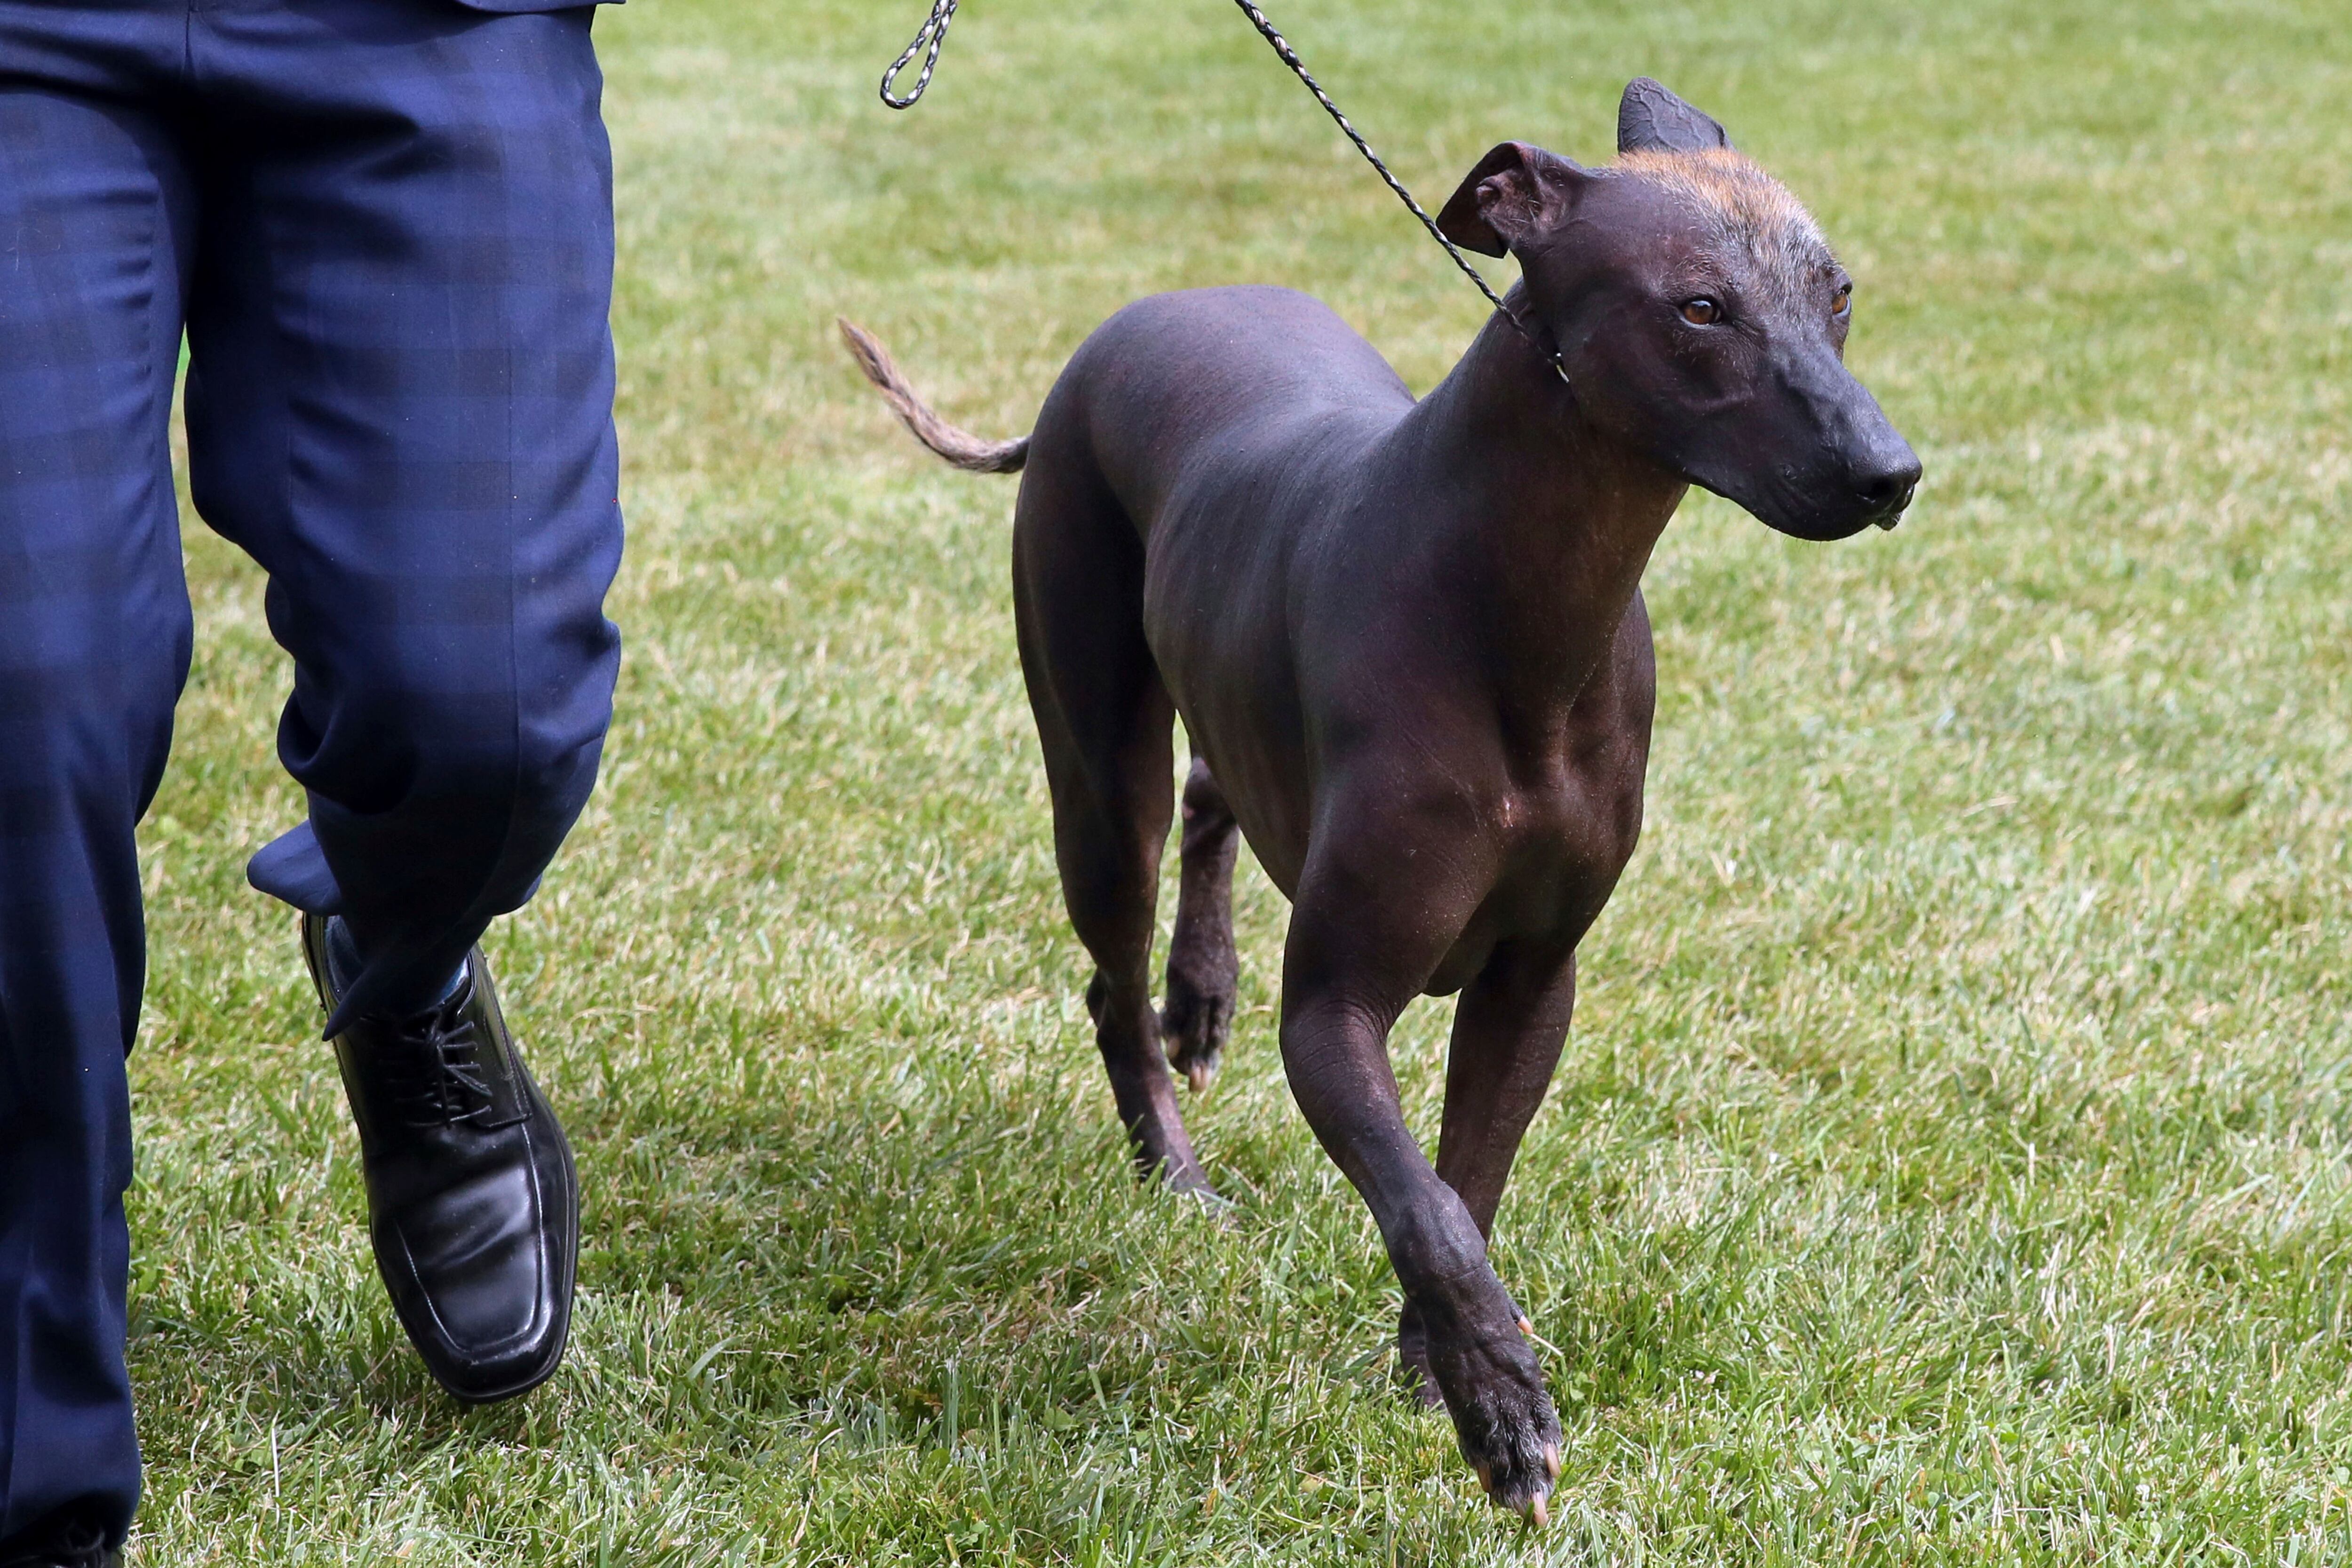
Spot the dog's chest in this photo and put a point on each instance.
(1564, 835)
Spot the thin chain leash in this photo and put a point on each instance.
(933, 35)
(1298, 67)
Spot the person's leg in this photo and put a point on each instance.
(94, 642)
(400, 404)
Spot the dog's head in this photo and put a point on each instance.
(1700, 314)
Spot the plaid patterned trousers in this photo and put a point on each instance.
(385, 226)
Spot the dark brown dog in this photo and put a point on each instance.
(1408, 643)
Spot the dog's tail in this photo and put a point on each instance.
(961, 448)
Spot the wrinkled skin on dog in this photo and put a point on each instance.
(1408, 644)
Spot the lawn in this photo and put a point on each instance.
(1948, 1164)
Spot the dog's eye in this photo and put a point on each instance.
(1702, 311)
(1843, 300)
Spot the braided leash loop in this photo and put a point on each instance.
(1298, 67)
(928, 40)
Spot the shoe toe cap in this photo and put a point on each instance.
(488, 1292)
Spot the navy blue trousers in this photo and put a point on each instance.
(385, 227)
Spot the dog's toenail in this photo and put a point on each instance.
(1551, 1460)
(1537, 1514)
(1486, 1480)
(1526, 1328)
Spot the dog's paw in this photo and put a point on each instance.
(1189, 1181)
(1164, 1154)
(1193, 1027)
(1504, 1420)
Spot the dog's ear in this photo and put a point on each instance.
(1516, 190)
(1652, 120)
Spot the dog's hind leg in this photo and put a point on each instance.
(1104, 721)
(1507, 1033)
(1202, 971)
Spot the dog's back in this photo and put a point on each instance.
(1232, 388)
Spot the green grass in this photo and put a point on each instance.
(1950, 1162)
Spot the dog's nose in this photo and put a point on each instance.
(1886, 486)
(1890, 489)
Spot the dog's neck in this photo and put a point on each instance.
(1552, 520)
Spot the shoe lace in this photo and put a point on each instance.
(435, 1072)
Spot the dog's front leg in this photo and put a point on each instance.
(1362, 945)
(1507, 1034)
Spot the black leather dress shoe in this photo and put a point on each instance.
(472, 1204)
(71, 1543)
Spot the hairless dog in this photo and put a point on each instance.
(1408, 644)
